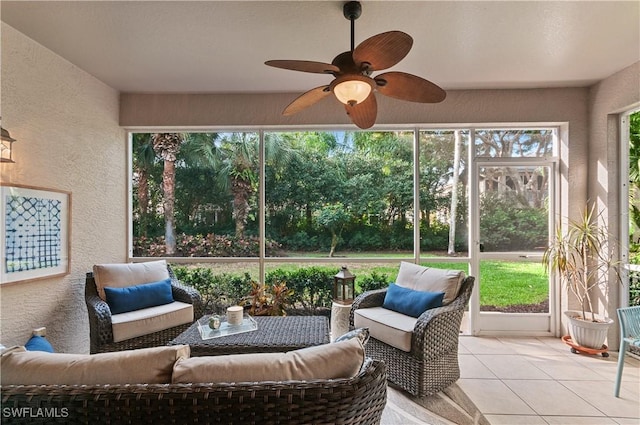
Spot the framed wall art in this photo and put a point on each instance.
(35, 225)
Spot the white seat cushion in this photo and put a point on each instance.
(430, 279)
(387, 326)
(148, 320)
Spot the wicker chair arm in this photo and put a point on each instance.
(189, 295)
(99, 319)
(367, 300)
(437, 330)
(186, 294)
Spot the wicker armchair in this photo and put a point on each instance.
(101, 331)
(357, 400)
(432, 363)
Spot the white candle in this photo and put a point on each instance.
(234, 315)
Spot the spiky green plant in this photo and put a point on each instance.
(583, 257)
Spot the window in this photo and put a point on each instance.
(259, 201)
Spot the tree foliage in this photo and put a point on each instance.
(324, 190)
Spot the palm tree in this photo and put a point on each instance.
(167, 146)
(237, 159)
(143, 161)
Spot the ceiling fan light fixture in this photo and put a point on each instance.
(352, 89)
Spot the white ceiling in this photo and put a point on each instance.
(221, 46)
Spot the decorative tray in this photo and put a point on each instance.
(248, 324)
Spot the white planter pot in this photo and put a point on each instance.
(585, 332)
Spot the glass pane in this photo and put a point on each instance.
(443, 192)
(513, 287)
(195, 194)
(339, 194)
(514, 212)
(312, 284)
(221, 285)
(514, 143)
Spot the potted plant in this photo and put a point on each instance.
(583, 257)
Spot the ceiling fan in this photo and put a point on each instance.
(353, 84)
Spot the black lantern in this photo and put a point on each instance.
(6, 146)
(343, 286)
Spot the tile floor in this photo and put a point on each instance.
(517, 381)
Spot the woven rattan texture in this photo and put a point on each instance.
(359, 400)
(432, 364)
(274, 335)
(100, 330)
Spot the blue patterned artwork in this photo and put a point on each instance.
(35, 236)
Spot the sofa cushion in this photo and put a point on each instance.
(390, 327)
(410, 302)
(330, 361)
(122, 275)
(148, 320)
(147, 365)
(135, 297)
(429, 279)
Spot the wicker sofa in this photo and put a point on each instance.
(357, 399)
(431, 362)
(100, 324)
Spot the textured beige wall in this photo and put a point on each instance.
(607, 99)
(66, 124)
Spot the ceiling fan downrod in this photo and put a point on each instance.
(352, 11)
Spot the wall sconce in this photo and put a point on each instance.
(6, 146)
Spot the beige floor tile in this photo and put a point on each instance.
(625, 421)
(463, 350)
(530, 346)
(512, 367)
(494, 397)
(609, 369)
(515, 419)
(471, 367)
(547, 397)
(577, 420)
(554, 343)
(562, 367)
(600, 396)
(485, 345)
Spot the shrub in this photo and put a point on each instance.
(312, 286)
(373, 281)
(507, 225)
(218, 291)
(209, 245)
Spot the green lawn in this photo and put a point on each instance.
(503, 283)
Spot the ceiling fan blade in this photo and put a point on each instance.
(401, 85)
(304, 66)
(363, 114)
(306, 99)
(382, 51)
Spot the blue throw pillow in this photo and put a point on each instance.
(38, 343)
(410, 302)
(122, 300)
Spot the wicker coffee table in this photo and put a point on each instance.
(274, 335)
